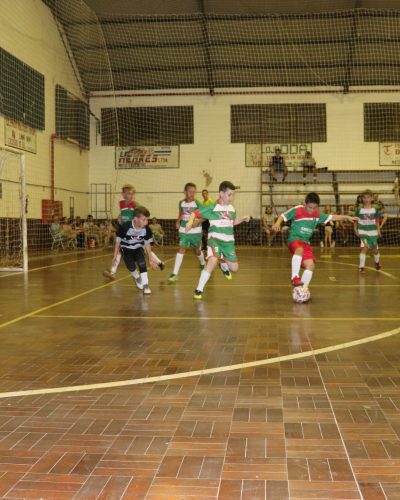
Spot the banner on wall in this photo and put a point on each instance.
(259, 155)
(19, 136)
(389, 154)
(147, 157)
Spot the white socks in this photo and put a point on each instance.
(296, 264)
(377, 256)
(363, 257)
(178, 262)
(224, 266)
(155, 257)
(204, 277)
(306, 277)
(202, 259)
(145, 278)
(116, 264)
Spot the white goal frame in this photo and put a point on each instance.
(6, 153)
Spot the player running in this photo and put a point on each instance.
(304, 219)
(221, 240)
(127, 207)
(191, 238)
(368, 226)
(134, 238)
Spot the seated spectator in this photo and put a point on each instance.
(268, 220)
(55, 226)
(157, 230)
(80, 234)
(107, 233)
(309, 165)
(277, 164)
(68, 231)
(92, 232)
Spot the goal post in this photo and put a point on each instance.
(13, 216)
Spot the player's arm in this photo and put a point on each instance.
(152, 261)
(384, 219)
(340, 218)
(195, 215)
(178, 220)
(278, 223)
(246, 218)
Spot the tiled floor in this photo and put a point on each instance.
(321, 427)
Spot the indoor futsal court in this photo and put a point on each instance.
(200, 249)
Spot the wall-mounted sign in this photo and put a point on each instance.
(19, 136)
(147, 157)
(259, 155)
(389, 154)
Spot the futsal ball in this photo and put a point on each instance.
(301, 294)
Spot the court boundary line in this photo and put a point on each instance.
(205, 371)
(217, 318)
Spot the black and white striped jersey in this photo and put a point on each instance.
(132, 238)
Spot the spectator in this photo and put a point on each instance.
(92, 232)
(55, 226)
(80, 234)
(329, 230)
(309, 165)
(68, 231)
(268, 220)
(277, 164)
(206, 223)
(107, 233)
(157, 230)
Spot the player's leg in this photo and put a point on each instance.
(285, 173)
(297, 249)
(377, 257)
(178, 259)
(205, 275)
(229, 259)
(110, 273)
(160, 263)
(363, 256)
(197, 251)
(140, 260)
(309, 267)
(130, 262)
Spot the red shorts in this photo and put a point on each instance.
(308, 251)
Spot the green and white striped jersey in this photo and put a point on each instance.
(367, 217)
(221, 217)
(186, 208)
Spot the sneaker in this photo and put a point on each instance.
(361, 269)
(108, 274)
(198, 295)
(296, 281)
(146, 290)
(173, 277)
(227, 273)
(161, 265)
(378, 266)
(139, 283)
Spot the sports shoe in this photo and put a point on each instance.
(198, 295)
(227, 273)
(296, 281)
(108, 274)
(361, 269)
(378, 266)
(173, 277)
(138, 282)
(161, 265)
(146, 290)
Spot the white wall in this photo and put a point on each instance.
(29, 32)
(212, 150)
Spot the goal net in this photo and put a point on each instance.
(13, 220)
(210, 95)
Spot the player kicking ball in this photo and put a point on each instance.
(221, 240)
(192, 237)
(304, 219)
(127, 207)
(134, 238)
(368, 229)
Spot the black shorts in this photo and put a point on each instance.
(134, 259)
